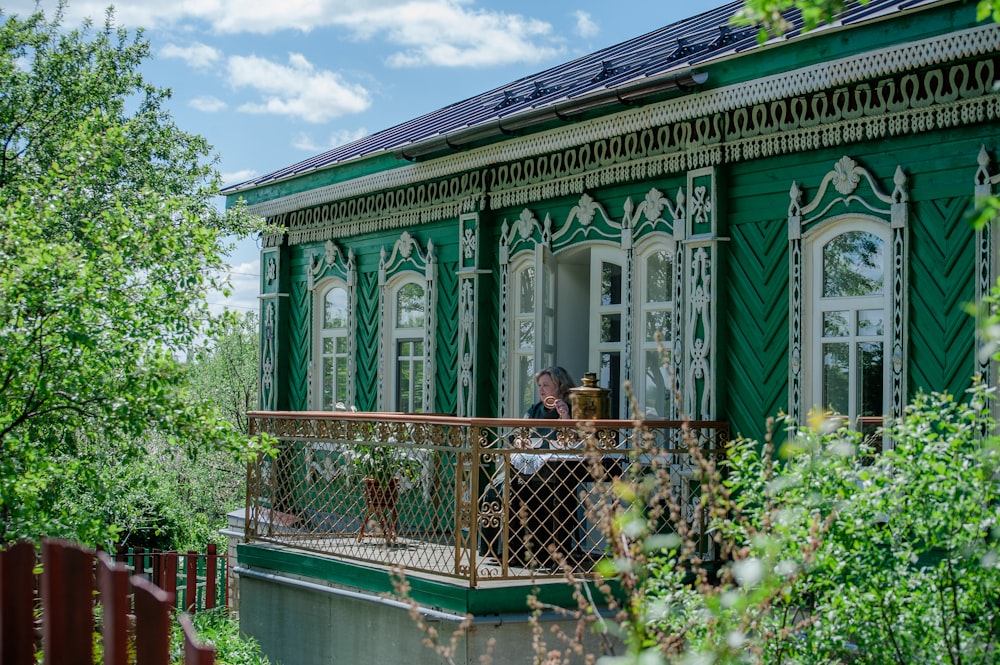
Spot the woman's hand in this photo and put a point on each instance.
(562, 408)
(553, 402)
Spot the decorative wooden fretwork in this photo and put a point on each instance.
(468, 291)
(986, 260)
(840, 194)
(268, 359)
(586, 222)
(899, 90)
(700, 265)
(325, 265)
(270, 303)
(408, 256)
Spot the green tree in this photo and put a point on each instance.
(225, 373)
(770, 15)
(110, 242)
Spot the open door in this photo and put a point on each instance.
(545, 307)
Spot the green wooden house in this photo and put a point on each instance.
(721, 230)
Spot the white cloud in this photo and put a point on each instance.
(208, 104)
(236, 177)
(449, 33)
(244, 285)
(197, 55)
(585, 25)
(444, 33)
(297, 89)
(342, 137)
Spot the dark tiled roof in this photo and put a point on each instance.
(675, 48)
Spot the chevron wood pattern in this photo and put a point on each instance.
(366, 350)
(941, 354)
(754, 376)
(298, 347)
(446, 372)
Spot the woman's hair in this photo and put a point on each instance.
(560, 377)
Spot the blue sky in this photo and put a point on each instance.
(272, 82)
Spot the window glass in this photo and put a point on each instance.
(410, 306)
(611, 284)
(835, 324)
(870, 322)
(853, 265)
(611, 327)
(659, 277)
(870, 359)
(656, 320)
(335, 308)
(333, 348)
(657, 384)
(836, 370)
(526, 291)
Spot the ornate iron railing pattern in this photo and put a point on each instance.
(467, 498)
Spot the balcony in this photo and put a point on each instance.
(468, 501)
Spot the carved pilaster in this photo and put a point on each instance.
(468, 292)
(701, 249)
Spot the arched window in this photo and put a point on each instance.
(847, 297)
(333, 352)
(407, 326)
(847, 289)
(407, 345)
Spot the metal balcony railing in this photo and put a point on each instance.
(468, 498)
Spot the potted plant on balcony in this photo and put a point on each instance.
(385, 470)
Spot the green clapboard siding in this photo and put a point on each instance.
(756, 329)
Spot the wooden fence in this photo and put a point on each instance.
(199, 580)
(62, 599)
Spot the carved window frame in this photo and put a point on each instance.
(328, 270)
(848, 191)
(407, 263)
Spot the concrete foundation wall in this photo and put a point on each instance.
(305, 622)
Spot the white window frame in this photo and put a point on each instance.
(849, 191)
(813, 308)
(518, 383)
(641, 346)
(395, 334)
(599, 255)
(322, 333)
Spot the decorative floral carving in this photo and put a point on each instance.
(406, 243)
(701, 205)
(525, 223)
(469, 244)
(846, 175)
(585, 209)
(655, 203)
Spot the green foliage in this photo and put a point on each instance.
(220, 629)
(770, 15)
(110, 241)
(833, 553)
(225, 372)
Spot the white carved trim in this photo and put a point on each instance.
(468, 290)
(881, 62)
(332, 264)
(699, 384)
(986, 264)
(846, 177)
(409, 257)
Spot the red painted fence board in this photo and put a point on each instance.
(112, 583)
(67, 584)
(67, 604)
(17, 603)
